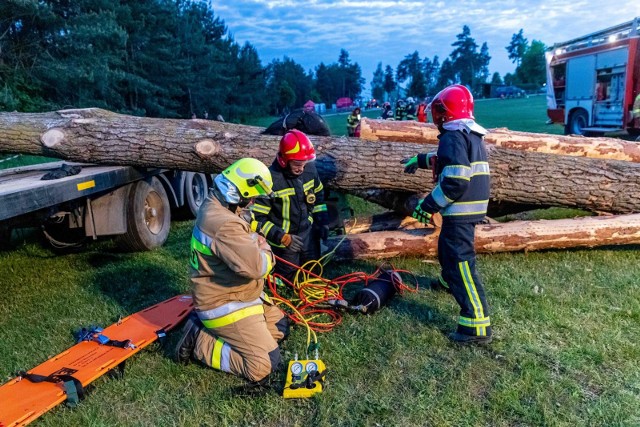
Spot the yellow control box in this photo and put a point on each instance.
(304, 378)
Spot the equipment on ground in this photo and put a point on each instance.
(592, 81)
(64, 377)
(304, 378)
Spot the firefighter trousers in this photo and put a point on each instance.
(457, 256)
(243, 342)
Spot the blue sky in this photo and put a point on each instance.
(372, 31)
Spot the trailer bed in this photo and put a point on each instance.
(22, 191)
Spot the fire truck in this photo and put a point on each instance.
(594, 80)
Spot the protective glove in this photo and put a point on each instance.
(322, 232)
(410, 164)
(421, 215)
(292, 241)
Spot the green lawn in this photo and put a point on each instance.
(565, 350)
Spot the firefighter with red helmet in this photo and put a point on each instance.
(296, 219)
(461, 195)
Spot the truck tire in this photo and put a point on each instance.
(578, 120)
(195, 191)
(148, 216)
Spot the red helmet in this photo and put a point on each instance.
(451, 103)
(295, 145)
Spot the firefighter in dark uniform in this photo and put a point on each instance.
(400, 112)
(295, 220)
(410, 110)
(461, 196)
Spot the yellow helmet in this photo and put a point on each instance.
(251, 177)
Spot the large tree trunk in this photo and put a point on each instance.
(348, 164)
(513, 236)
(579, 146)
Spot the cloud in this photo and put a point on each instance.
(385, 31)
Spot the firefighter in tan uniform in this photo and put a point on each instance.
(236, 328)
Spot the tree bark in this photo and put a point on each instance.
(578, 146)
(586, 232)
(349, 164)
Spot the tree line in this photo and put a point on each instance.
(176, 58)
(467, 64)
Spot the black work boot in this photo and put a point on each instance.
(464, 339)
(187, 341)
(436, 285)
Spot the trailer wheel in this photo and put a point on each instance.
(148, 216)
(578, 120)
(195, 191)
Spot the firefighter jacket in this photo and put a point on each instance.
(298, 202)
(462, 190)
(352, 121)
(400, 112)
(227, 263)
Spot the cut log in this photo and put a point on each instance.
(579, 146)
(585, 232)
(388, 221)
(349, 164)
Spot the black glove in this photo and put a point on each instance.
(322, 231)
(292, 242)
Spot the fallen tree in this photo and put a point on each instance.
(579, 146)
(348, 164)
(586, 232)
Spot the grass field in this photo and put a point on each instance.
(565, 350)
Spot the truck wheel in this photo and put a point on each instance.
(148, 216)
(578, 120)
(195, 191)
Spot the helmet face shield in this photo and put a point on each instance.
(262, 187)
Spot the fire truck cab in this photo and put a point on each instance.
(594, 80)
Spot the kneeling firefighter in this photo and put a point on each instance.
(236, 328)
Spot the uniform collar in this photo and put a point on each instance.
(465, 125)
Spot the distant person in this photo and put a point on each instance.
(400, 112)
(461, 196)
(421, 112)
(387, 112)
(410, 110)
(353, 123)
(206, 115)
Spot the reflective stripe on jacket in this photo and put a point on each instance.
(290, 210)
(227, 263)
(462, 191)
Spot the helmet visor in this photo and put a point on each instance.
(260, 185)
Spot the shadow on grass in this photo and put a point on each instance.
(134, 284)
